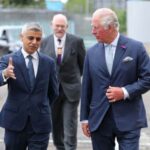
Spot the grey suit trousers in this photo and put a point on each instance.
(64, 123)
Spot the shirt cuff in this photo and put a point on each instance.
(4, 79)
(125, 92)
(84, 121)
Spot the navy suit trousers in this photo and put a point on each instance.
(104, 137)
(26, 138)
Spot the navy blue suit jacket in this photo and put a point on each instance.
(131, 69)
(22, 101)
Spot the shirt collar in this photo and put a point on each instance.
(62, 39)
(114, 42)
(25, 54)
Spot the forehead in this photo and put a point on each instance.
(60, 21)
(32, 33)
(95, 21)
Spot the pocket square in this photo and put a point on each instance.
(127, 59)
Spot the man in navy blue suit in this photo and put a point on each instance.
(116, 74)
(32, 89)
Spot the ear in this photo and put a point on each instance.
(110, 26)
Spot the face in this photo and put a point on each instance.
(59, 26)
(31, 40)
(100, 33)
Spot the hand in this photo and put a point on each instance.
(9, 71)
(85, 129)
(114, 94)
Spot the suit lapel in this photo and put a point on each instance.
(20, 61)
(67, 49)
(52, 47)
(99, 59)
(40, 69)
(120, 50)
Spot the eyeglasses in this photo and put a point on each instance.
(31, 38)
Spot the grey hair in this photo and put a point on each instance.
(110, 19)
(33, 26)
(107, 17)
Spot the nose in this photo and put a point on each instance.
(34, 41)
(93, 31)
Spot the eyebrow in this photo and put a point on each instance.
(32, 38)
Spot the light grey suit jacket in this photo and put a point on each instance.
(70, 70)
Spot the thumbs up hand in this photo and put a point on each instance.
(9, 71)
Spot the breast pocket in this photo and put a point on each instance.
(128, 66)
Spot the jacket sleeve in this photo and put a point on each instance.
(142, 85)
(3, 65)
(81, 54)
(86, 92)
(53, 91)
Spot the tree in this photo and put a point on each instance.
(22, 3)
(122, 19)
(78, 6)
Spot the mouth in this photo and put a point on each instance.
(33, 47)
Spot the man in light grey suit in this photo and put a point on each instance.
(69, 52)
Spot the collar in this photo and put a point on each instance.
(114, 42)
(62, 39)
(25, 54)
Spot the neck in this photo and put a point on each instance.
(112, 37)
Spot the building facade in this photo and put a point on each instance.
(119, 4)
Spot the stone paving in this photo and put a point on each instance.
(83, 142)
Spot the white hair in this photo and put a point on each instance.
(60, 16)
(107, 17)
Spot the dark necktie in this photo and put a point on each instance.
(59, 52)
(31, 71)
(59, 41)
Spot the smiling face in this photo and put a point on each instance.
(59, 25)
(31, 40)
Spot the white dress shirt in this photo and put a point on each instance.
(58, 45)
(35, 60)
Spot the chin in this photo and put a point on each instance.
(59, 35)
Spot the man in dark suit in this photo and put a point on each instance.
(116, 74)
(32, 88)
(68, 51)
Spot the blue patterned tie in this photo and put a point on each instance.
(31, 71)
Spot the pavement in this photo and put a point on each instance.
(84, 143)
